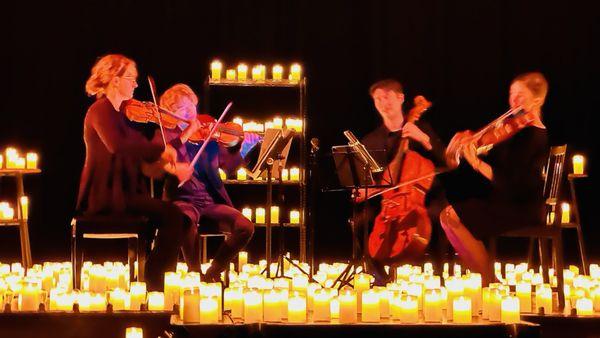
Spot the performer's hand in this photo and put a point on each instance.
(453, 149)
(169, 155)
(411, 130)
(183, 171)
(469, 152)
(192, 128)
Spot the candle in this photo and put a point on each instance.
(455, 288)
(510, 310)
(384, 302)
(97, 279)
(260, 215)
(297, 308)
(472, 289)
(322, 305)
(32, 160)
(300, 284)
(285, 175)
(190, 305)
(247, 212)
(277, 72)
(295, 174)
(543, 298)
(523, 290)
(29, 297)
(362, 282)
(253, 306)
(215, 69)
(242, 72)
(432, 307)
(370, 307)
(209, 307)
(278, 123)
(20, 163)
(234, 301)
(134, 332)
(272, 307)
(256, 73)
(137, 292)
(495, 305)
(348, 306)
(566, 213)
(230, 74)
(578, 163)
(241, 174)
(172, 282)
(295, 72)
(222, 174)
(550, 217)
(274, 214)
(461, 310)
(283, 302)
(156, 301)
(584, 307)
(295, 217)
(409, 309)
(1, 161)
(310, 293)
(334, 308)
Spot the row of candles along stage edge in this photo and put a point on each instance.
(416, 294)
(259, 215)
(14, 160)
(292, 174)
(277, 122)
(259, 72)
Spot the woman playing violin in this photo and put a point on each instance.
(204, 195)
(509, 177)
(111, 180)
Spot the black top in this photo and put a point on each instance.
(514, 198)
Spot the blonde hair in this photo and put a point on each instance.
(171, 98)
(104, 70)
(534, 81)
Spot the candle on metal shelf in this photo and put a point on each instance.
(234, 301)
(432, 306)
(370, 307)
(566, 213)
(274, 214)
(295, 217)
(29, 295)
(348, 306)
(461, 310)
(285, 174)
(409, 309)
(215, 69)
(260, 215)
(510, 310)
(322, 305)
(247, 212)
(242, 72)
(156, 301)
(241, 174)
(295, 72)
(1, 161)
(137, 292)
(222, 174)
(134, 332)
(578, 164)
(362, 283)
(296, 308)
(230, 74)
(295, 174)
(253, 306)
(190, 304)
(171, 287)
(455, 288)
(523, 291)
(32, 160)
(278, 123)
(209, 310)
(543, 298)
(277, 72)
(584, 307)
(272, 308)
(119, 299)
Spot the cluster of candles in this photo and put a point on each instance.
(260, 215)
(292, 174)
(277, 122)
(8, 213)
(259, 72)
(14, 160)
(416, 295)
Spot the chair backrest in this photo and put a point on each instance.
(553, 173)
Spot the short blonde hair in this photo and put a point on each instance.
(171, 98)
(534, 81)
(104, 70)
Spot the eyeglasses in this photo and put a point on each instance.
(130, 78)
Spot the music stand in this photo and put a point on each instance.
(273, 153)
(355, 168)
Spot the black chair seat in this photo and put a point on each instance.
(111, 224)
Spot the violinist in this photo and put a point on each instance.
(111, 180)
(204, 195)
(509, 193)
(388, 98)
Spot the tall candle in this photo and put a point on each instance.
(510, 310)
(234, 301)
(171, 288)
(432, 307)
(495, 304)
(362, 282)
(295, 174)
(409, 309)
(578, 163)
(1, 161)
(190, 305)
(134, 332)
(260, 215)
(295, 71)
(335, 308)
(277, 72)
(454, 286)
(322, 306)
(370, 307)
(461, 310)
(256, 73)
(543, 298)
(348, 307)
(242, 72)
(566, 213)
(215, 69)
(24, 201)
(32, 160)
(247, 212)
(29, 297)
(523, 291)
(297, 308)
(272, 308)
(156, 301)
(137, 291)
(209, 310)
(119, 299)
(253, 306)
(242, 259)
(300, 284)
(274, 214)
(285, 174)
(295, 217)
(384, 302)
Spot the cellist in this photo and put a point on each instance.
(388, 98)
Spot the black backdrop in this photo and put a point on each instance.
(460, 54)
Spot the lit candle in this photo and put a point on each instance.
(584, 307)
(134, 332)
(472, 284)
(285, 174)
(209, 307)
(234, 301)
(295, 72)
(272, 308)
(322, 306)
(260, 215)
(495, 304)
(242, 72)
(566, 213)
(32, 160)
(461, 310)
(256, 73)
(409, 309)
(432, 307)
(277, 123)
(543, 298)
(578, 163)
(274, 214)
(1, 161)
(455, 288)
(263, 72)
(29, 297)
(335, 308)
(241, 174)
(222, 174)
(370, 307)
(190, 305)
(242, 259)
(215, 69)
(20, 163)
(247, 212)
(97, 279)
(510, 310)
(137, 292)
(300, 284)
(295, 217)
(253, 306)
(523, 291)
(362, 282)
(550, 217)
(348, 307)
(156, 301)
(172, 282)
(230, 74)
(277, 72)
(295, 174)
(297, 308)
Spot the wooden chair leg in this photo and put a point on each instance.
(544, 258)
(141, 256)
(204, 244)
(584, 261)
(558, 251)
(79, 258)
(530, 252)
(132, 252)
(492, 254)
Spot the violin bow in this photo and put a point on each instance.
(159, 118)
(210, 134)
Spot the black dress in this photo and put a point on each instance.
(513, 199)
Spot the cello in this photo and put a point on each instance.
(402, 229)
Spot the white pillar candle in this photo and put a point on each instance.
(274, 214)
(242, 72)
(241, 174)
(461, 310)
(335, 308)
(190, 305)
(295, 174)
(295, 217)
(322, 305)
(584, 307)
(432, 307)
(495, 305)
(543, 298)
(230, 74)
(370, 307)
(171, 288)
(234, 301)
(253, 306)
(285, 174)
(209, 310)
(272, 308)
(523, 291)
(384, 302)
(119, 299)
(32, 160)
(277, 72)
(295, 72)
(300, 284)
(242, 259)
(362, 282)
(134, 332)
(97, 279)
(510, 310)
(137, 292)
(297, 308)
(215, 69)
(24, 202)
(156, 301)
(409, 309)
(455, 288)
(29, 297)
(578, 163)
(260, 215)
(348, 306)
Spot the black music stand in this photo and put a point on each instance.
(355, 173)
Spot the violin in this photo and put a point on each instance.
(228, 133)
(403, 229)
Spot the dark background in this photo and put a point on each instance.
(461, 54)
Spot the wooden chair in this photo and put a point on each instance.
(552, 174)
